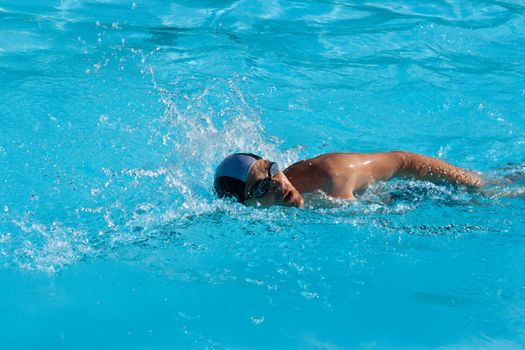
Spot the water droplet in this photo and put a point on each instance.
(257, 320)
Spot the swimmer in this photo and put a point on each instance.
(253, 180)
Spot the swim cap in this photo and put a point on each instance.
(232, 173)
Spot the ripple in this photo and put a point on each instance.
(185, 84)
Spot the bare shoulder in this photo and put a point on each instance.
(319, 164)
(339, 174)
(330, 160)
(312, 174)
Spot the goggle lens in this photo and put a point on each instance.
(260, 188)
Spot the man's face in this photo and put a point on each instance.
(280, 190)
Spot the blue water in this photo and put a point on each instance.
(115, 113)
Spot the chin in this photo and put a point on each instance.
(298, 202)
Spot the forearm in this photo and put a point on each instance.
(427, 168)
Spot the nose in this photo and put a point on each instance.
(276, 185)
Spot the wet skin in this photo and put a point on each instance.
(341, 175)
(280, 192)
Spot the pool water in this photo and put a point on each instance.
(115, 113)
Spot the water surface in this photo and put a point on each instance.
(115, 113)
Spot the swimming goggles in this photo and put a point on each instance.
(260, 188)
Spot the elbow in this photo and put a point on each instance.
(402, 159)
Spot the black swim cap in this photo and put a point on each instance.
(232, 173)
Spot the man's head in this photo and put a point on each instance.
(254, 181)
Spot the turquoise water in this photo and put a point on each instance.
(115, 113)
